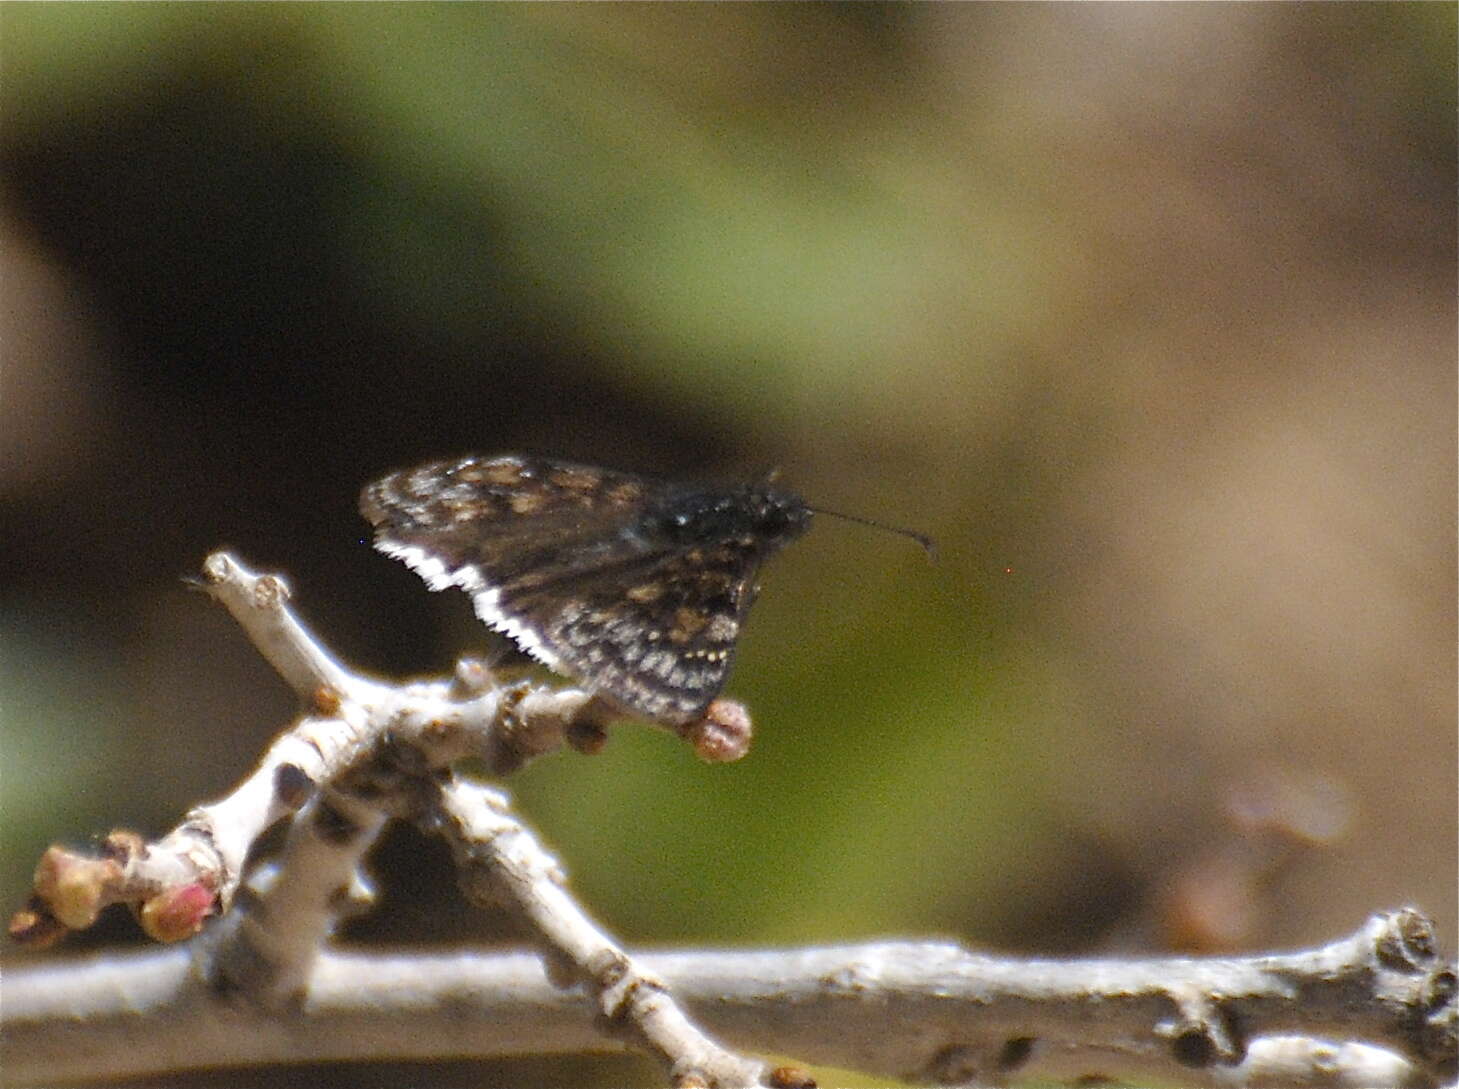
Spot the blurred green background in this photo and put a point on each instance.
(1147, 312)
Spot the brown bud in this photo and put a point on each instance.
(326, 700)
(73, 888)
(791, 1077)
(723, 734)
(36, 927)
(123, 845)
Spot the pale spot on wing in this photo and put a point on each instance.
(502, 472)
(576, 478)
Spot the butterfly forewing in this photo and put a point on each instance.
(634, 587)
(479, 521)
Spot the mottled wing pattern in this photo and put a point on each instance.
(558, 557)
(506, 525)
(657, 636)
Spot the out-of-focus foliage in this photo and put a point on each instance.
(1147, 312)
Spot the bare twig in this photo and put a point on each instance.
(261, 986)
(928, 1012)
(368, 752)
(501, 863)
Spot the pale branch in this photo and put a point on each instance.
(369, 752)
(502, 864)
(262, 985)
(928, 1012)
(266, 949)
(259, 603)
(356, 724)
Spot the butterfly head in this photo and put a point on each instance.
(757, 517)
(778, 516)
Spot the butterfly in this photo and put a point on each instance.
(635, 588)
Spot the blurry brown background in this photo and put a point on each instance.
(1147, 312)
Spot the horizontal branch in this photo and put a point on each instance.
(926, 1012)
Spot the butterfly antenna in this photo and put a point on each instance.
(928, 544)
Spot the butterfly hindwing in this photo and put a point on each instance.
(657, 637)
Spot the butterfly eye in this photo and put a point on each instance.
(774, 520)
(780, 518)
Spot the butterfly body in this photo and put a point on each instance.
(636, 588)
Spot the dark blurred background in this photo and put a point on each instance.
(1147, 312)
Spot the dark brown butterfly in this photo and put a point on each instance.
(635, 588)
